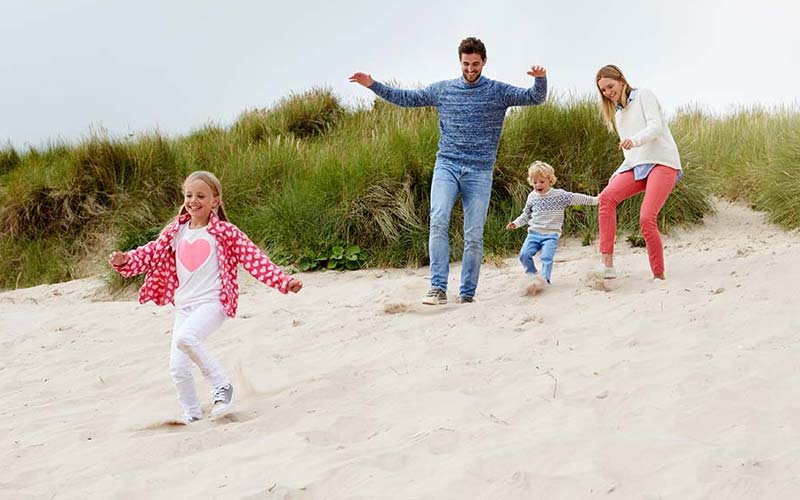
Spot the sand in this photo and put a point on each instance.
(352, 389)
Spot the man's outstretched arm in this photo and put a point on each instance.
(400, 97)
(516, 96)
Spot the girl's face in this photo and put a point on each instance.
(199, 200)
(541, 184)
(611, 89)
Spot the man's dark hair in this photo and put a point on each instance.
(472, 45)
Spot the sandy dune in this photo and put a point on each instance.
(684, 389)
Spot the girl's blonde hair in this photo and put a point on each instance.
(608, 108)
(213, 183)
(541, 169)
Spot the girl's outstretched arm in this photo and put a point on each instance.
(256, 262)
(135, 261)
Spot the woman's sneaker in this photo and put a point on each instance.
(435, 297)
(603, 272)
(223, 399)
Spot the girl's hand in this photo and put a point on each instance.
(511, 225)
(625, 144)
(294, 285)
(118, 258)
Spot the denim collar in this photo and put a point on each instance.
(630, 98)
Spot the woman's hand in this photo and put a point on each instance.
(118, 258)
(625, 144)
(511, 225)
(294, 285)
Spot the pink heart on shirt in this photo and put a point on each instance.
(193, 254)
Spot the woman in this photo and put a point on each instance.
(652, 164)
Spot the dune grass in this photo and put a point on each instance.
(308, 176)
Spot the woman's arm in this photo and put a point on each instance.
(654, 119)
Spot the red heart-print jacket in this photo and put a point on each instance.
(157, 259)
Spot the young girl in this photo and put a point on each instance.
(193, 264)
(544, 215)
(651, 164)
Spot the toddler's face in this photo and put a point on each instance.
(541, 184)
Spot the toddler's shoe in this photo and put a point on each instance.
(539, 283)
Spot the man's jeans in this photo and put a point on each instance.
(475, 187)
(547, 243)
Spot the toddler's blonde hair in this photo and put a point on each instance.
(541, 169)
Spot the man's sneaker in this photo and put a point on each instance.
(463, 299)
(435, 297)
(223, 399)
(187, 419)
(603, 272)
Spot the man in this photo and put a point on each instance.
(471, 113)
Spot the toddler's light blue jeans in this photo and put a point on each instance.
(547, 243)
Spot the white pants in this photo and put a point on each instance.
(192, 325)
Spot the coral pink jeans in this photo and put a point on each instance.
(657, 187)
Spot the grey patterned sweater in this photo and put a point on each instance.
(544, 213)
(470, 115)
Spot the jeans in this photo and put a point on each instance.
(475, 188)
(547, 243)
(657, 187)
(192, 325)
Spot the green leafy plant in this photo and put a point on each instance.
(338, 258)
(636, 240)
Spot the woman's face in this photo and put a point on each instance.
(610, 88)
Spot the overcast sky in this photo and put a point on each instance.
(70, 66)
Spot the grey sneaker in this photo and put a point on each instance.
(223, 399)
(435, 297)
(463, 299)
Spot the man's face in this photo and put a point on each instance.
(471, 67)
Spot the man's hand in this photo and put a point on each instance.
(511, 225)
(294, 285)
(537, 71)
(118, 259)
(362, 79)
(625, 144)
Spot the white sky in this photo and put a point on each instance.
(69, 66)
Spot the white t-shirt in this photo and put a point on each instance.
(198, 268)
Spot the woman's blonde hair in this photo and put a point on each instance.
(608, 108)
(213, 183)
(541, 169)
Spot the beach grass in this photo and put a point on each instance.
(309, 175)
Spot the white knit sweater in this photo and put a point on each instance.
(643, 123)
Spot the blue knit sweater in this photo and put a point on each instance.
(470, 115)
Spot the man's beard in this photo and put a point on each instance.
(475, 79)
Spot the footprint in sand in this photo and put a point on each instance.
(443, 441)
(344, 431)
